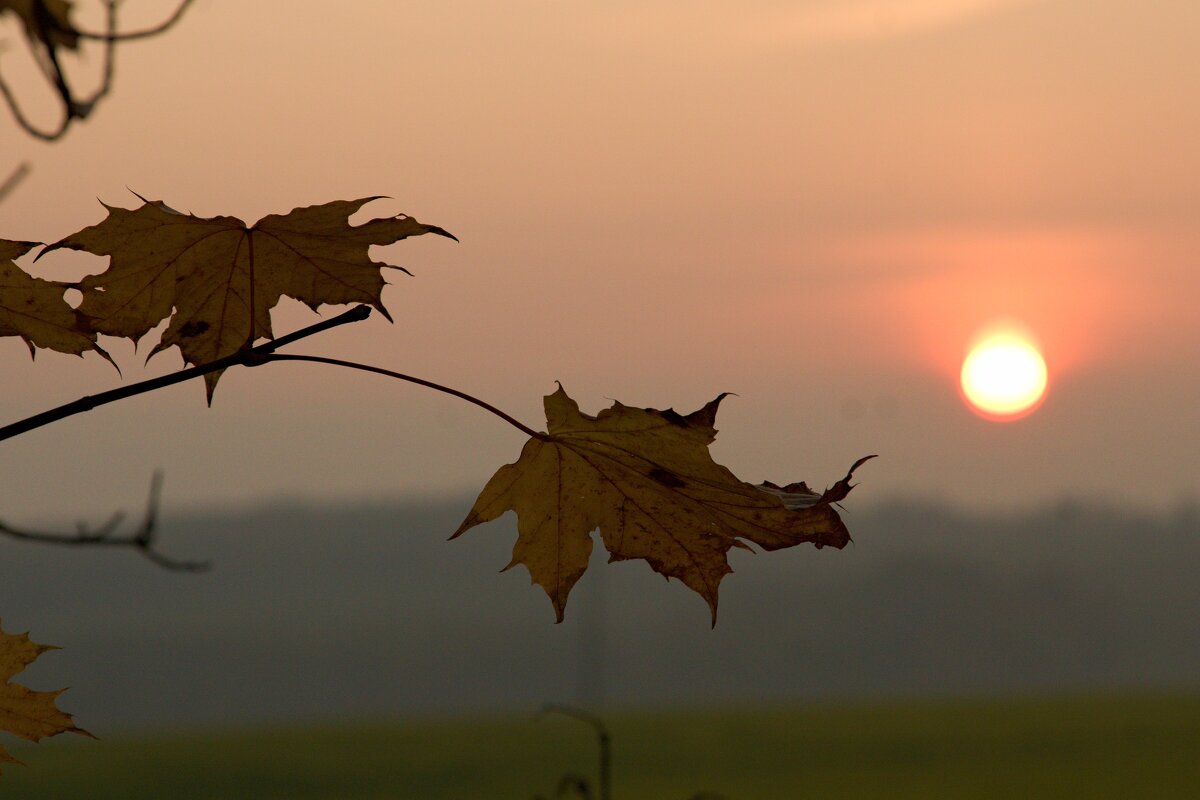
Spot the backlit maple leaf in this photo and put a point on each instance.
(645, 478)
(35, 310)
(217, 278)
(24, 712)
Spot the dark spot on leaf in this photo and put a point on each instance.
(668, 479)
(193, 328)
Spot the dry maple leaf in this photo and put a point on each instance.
(645, 478)
(217, 278)
(35, 310)
(24, 712)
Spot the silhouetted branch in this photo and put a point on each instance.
(47, 30)
(46, 25)
(248, 357)
(11, 101)
(141, 539)
(80, 109)
(10, 183)
(113, 36)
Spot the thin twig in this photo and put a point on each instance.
(114, 36)
(46, 55)
(47, 24)
(80, 109)
(141, 539)
(249, 356)
(11, 101)
(337, 362)
(10, 183)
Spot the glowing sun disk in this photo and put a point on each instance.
(1004, 377)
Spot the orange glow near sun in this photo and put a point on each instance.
(1004, 375)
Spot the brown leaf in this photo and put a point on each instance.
(24, 712)
(217, 278)
(35, 310)
(645, 478)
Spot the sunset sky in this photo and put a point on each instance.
(813, 204)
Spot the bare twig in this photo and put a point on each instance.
(80, 109)
(603, 740)
(248, 356)
(114, 36)
(10, 183)
(11, 101)
(46, 26)
(141, 539)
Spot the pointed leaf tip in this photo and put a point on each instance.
(31, 715)
(707, 415)
(442, 232)
(36, 309)
(842, 488)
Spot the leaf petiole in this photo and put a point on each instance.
(337, 362)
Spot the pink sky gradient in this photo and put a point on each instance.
(814, 205)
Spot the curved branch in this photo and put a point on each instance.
(141, 539)
(47, 58)
(114, 36)
(11, 101)
(80, 109)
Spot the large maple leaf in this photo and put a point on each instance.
(218, 278)
(35, 310)
(24, 712)
(645, 478)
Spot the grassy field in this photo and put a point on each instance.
(1093, 747)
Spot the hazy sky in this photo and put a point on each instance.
(814, 204)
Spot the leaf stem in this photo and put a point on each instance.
(337, 362)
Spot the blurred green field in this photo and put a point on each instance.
(1094, 747)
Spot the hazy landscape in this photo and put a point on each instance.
(317, 613)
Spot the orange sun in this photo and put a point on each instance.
(1004, 376)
